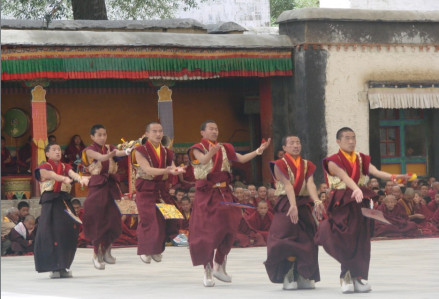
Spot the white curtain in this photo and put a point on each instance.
(403, 98)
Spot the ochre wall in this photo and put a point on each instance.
(126, 114)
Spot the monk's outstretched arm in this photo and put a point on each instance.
(259, 151)
(335, 170)
(385, 175)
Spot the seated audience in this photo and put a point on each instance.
(187, 179)
(73, 151)
(128, 235)
(8, 164)
(434, 204)
(8, 223)
(261, 220)
(248, 236)
(22, 236)
(186, 210)
(424, 193)
(395, 214)
(179, 193)
(424, 215)
(23, 210)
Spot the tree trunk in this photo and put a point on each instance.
(89, 10)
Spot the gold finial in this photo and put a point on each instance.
(38, 94)
(164, 94)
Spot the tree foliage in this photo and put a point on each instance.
(278, 6)
(94, 9)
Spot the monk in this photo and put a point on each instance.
(395, 214)
(57, 234)
(246, 235)
(292, 257)
(8, 164)
(79, 211)
(423, 214)
(187, 179)
(101, 222)
(153, 163)
(434, 204)
(22, 236)
(186, 210)
(73, 151)
(128, 235)
(261, 220)
(213, 224)
(346, 234)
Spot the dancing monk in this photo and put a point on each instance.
(102, 219)
(346, 234)
(153, 163)
(57, 234)
(292, 257)
(213, 224)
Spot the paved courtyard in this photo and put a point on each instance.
(399, 269)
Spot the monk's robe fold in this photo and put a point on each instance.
(401, 226)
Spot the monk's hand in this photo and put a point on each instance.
(319, 209)
(111, 154)
(260, 150)
(67, 180)
(358, 195)
(419, 216)
(214, 148)
(181, 169)
(293, 213)
(84, 181)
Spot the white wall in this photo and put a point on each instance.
(348, 73)
(247, 13)
(382, 4)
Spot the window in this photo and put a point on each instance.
(389, 141)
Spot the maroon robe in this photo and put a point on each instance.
(128, 235)
(188, 176)
(213, 225)
(433, 206)
(401, 226)
(426, 225)
(101, 222)
(183, 226)
(57, 233)
(153, 230)
(247, 236)
(19, 245)
(82, 240)
(261, 225)
(286, 239)
(8, 167)
(346, 234)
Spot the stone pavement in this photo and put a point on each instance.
(399, 269)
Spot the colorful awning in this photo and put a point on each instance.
(27, 63)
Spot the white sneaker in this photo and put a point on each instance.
(361, 286)
(108, 258)
(347, 286)
(289, 283)
(304, 283)
(55, 274)
(66, 273)
(219, 272)
(145, 258)
(97, 262)
(157, 257)
(208, 278)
